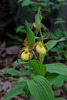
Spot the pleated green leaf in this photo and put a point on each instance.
(58, 68)
(60, 80)
(12, 71)
(60, 99)
(39, 70)
(50, 44)
(40, 88)
(19, 89)
(51, 77)
(20, 62)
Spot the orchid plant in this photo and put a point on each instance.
(38, 83)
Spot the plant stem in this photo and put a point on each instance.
(40, 57)
(40, 54)
(30, 68)
(40, 33)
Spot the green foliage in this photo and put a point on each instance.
(20, 62)
(14, 37)
(19, 1)
(65, 54)
(58, 33)
(38, 18)
(38, 82)
(60, 0)
(30, 34)
(60, 99)
(59, 21)
(50, 44)
(42, 3)
(61, 47)
(41, 58)
(59, 4)
(39, 70)
(51, 77)
(21, 79)
(19, 89)
(20, 29)
(27, 2)
(66, 88)
(40, 88)
(12, 71)
(58, 68)
(60, 80)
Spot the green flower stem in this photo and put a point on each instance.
(40, 33)
(30, 68)
(40, 56)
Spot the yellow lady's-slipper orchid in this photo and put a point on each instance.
(40, 49)
(25, 55)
